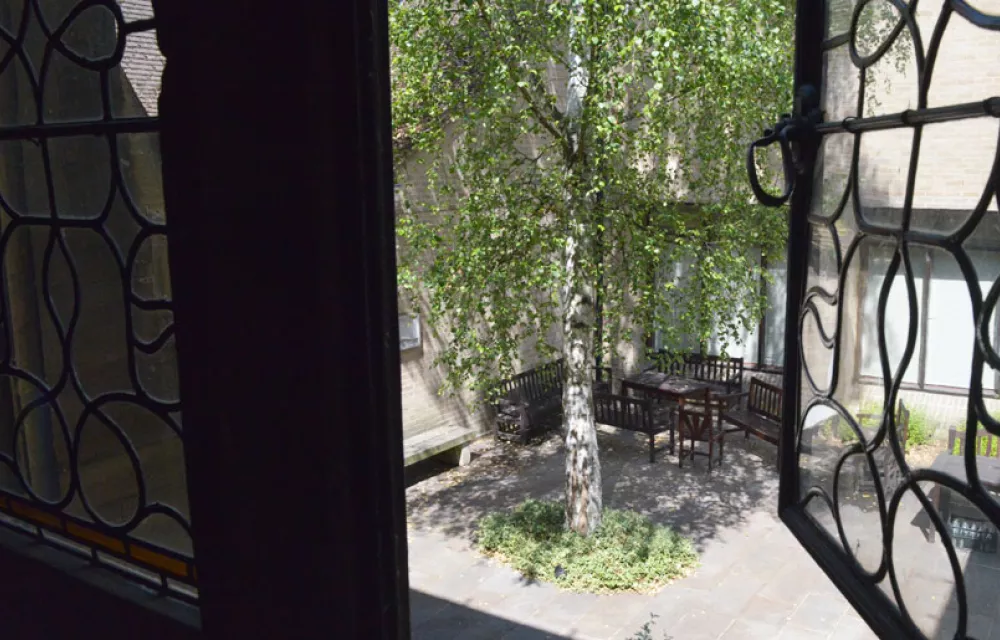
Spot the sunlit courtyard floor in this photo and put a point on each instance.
(754, 581)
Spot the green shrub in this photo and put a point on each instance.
(837, 427)
(870, 415)
(920, 429)
(844, 431)
(627, 553)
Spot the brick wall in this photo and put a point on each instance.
(142, 61)
(424, 407)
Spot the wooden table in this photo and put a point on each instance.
(668, 386)
(989, 468)
(985, 538)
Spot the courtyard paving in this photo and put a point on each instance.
(754, 581)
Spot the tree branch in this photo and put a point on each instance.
(545, 119)
(636, 114)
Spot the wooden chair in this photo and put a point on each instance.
(603, 380)
(699, 420)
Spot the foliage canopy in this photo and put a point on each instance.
(650, 165)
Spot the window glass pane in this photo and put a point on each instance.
(950, 325)
(897, 313)
(91, 437)
(745, 346)
(861, 445)
(774, 319)
(675, 271)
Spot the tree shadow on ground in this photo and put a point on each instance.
(702, 506)
(433, 618)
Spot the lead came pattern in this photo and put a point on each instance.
(91, 443)
(850, 220)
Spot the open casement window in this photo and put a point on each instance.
(91, 435)
(894, 274)
(188, 446)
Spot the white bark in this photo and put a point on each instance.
(583, 466)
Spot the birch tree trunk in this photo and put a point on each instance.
(583, 466)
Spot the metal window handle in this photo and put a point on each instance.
(779, 134)
(789, 129)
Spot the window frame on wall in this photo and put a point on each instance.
(923, 278)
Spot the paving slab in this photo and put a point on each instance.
(851, 627)
(764, 610)
(793, 632)
(750, 630)
(700, 624)
(819, 612)
(455, 621)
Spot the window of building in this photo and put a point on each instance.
(945, 324)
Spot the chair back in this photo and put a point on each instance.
(632, 414)
(699, 416)
(724, 371)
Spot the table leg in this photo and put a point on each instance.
(940, 500)
(673, 429)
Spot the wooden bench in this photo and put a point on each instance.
(987, 445)
(532, 401)
(727, 373)
(761, 417)
(631, 414)
(528, 402)
(969, 527)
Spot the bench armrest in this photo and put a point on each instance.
(731, 399)
(731, 396)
